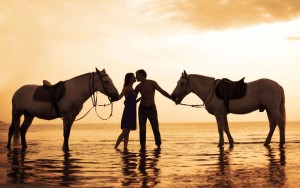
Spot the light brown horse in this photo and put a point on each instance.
(77, 91)
(260, 93)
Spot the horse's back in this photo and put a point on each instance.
(265, 83)
(267, 90)
(23, 95)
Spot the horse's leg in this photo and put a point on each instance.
(25, 125)
(220, 122)
(281, 124)
(272, 124)
(68, 122)
(226, 129)
(14, 128)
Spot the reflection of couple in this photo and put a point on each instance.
(147, 108)
(146, 164)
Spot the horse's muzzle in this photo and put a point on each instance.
(114, 97)
(176, 99)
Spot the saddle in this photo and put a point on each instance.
(230, 90)
(50, 93)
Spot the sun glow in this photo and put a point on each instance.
(60, 40)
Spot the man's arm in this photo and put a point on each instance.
(163, 92)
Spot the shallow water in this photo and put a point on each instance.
(188, 157)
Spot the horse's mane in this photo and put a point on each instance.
(201, 76)
(79, 76)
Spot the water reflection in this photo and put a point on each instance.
(140, 169)
(223, 173)
(148, 167)
(20, 172)
(277, 175)
(129, 164)
(41, 171)
(69, 170)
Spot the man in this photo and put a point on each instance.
(147, 108)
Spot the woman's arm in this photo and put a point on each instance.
(124, 91)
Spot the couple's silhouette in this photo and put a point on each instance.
(146, 110)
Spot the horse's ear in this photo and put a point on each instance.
(97, 70)
(104, 71)
(184, 72)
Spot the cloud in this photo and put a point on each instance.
(222, 14)
(293, 38)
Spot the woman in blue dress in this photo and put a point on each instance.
(128, 121)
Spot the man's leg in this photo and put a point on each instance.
(155, 125)
(142, 125)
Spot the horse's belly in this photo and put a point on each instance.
(238, 107)
(41, 110)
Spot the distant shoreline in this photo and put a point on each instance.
(162, 123)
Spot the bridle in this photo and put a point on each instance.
(101, 79)
(198, 105)
(94, 96)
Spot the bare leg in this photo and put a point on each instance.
(126, 138)
(121, 137)
(26, 123)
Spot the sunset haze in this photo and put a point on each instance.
(56, 40)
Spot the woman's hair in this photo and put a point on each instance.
(128, 76)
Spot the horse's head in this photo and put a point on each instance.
(106, 85)
(182, 89)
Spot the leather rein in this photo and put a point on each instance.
(94, 96)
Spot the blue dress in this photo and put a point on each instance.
(129, 113)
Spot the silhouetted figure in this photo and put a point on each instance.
(128, 121)
(147, 108)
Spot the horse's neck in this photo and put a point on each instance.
(201, 85)
(83, 86)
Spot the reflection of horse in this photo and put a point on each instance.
(76, 91)
(261, 94)
(277, 175)
(20, 171)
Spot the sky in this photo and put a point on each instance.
(57, 40)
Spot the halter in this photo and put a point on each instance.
(198, 105)
(101, 79)
(94, 96)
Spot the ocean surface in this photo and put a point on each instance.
(188, 157)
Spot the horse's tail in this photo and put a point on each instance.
(282, 106)
(16, 127)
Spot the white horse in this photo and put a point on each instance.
(261, 94)
(77, 91)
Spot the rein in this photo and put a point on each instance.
(94, 97)
(203, 104)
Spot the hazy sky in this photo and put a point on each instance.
(57, 40)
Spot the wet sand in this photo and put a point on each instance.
(188, 157)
